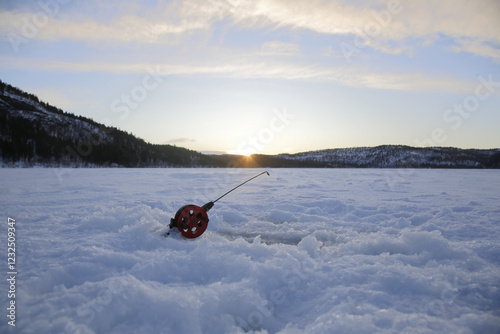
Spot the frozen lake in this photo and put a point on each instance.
(300, 251)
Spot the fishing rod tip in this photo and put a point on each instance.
(268, 173)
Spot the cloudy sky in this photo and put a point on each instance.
(265, 76)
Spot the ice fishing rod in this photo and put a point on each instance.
(192, 220)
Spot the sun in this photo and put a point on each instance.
(246, 152)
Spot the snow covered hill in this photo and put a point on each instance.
(390, 156)
(34, 133)
(302, 251)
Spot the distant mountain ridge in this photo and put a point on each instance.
(400, 156)
(35, 133)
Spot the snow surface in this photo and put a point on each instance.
(301, 251)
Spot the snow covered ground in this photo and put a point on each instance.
(301, 251)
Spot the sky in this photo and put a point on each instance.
(265, 76)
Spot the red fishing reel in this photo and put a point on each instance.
(192, 220)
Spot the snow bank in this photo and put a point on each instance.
(302, 251)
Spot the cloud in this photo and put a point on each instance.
(478, 48)
(473, 27)
(387, 26)
(180, 141)
(163, 23)
(334, 17)
(381, 23)
(235, 68)
(395, 20)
